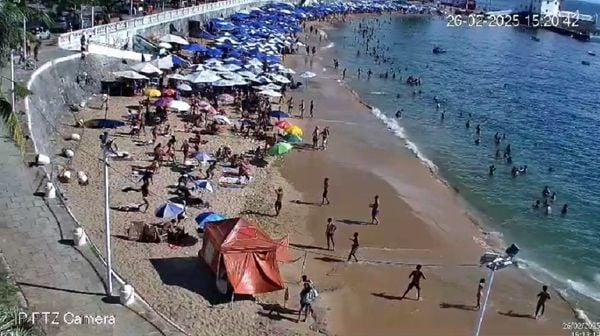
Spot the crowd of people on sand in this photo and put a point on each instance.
(373, 48)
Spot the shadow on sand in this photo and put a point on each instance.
(190, 273)
(445, 305)
(392, 297)
(353, 222)
(308, 247)
(275, 311)
(305, 203)
(330, 259)
(510, 313)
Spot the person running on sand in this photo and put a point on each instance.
(315, 138)
(480, 292)
(543, 296)
(375, 211)
(329, 232)
(278, 204)
(324, 197)
(415, 277)
(354, 247)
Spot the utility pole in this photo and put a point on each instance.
(12, 79)
(106, 143)
(24, 37)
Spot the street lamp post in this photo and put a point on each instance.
(106, 144)
(494, 262)
(12, 79)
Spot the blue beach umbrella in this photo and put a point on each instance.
(207, 217)
(194, 47)
(170, 210)
(278, 114)
(203, 184)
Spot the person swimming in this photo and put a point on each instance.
(399, 113)
(537, 204)
(546, 192)
(564, 210)
(492, 169)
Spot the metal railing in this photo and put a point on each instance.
(71, 40)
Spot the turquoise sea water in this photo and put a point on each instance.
(538, 93)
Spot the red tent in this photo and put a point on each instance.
(247, 253)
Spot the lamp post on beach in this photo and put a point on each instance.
(494, 262)
(106, 145)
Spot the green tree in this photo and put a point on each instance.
(12, 14)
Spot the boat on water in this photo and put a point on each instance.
(591, 53)
(585, 63)
(535, 38)
(438, 50)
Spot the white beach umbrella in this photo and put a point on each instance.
(261, 80)
(205, 76)
(231, 76)
(231, 67)
(146, 68)
(222, 119)
(271, 87)
(184, 87)
(213, 61)
(165, 45)
(176, 77)
(246, 74)
(255, 61)
(179, 105)
(308, 74)
(170, 38)
(270, 93)
(280, 79)
(130, 74)
(224, 82)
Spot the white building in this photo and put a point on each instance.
(545, 7)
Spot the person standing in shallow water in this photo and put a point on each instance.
(325, 197)
(375, 211)
(278, 200)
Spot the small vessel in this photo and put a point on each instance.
(591, 53)
(438, 50)
(535, 38)
(585, 63)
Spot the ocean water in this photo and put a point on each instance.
(538, 93)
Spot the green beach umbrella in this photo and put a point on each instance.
(292, 138)
(281, 148)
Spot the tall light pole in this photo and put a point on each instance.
(106, 147)
(24, 37)
(12, 79)
(494, 262)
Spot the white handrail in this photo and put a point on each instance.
(71, 40)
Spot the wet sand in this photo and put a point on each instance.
(422, 221)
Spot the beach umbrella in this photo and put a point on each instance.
(170, 210)
(207, 217)
(283, 124)
(271, 86)
(179, 105)
(231, 67)
(278, 114)
(129, 74)
(246, 74)
(206, 76)
(222, 119)
(194, 47)
(163, 102)
(294, 130)
(204, 157)
(147, 68)
(270, 93)
(280, 79)
(169, 92)
(280, 148)
(308, 74)
(261, 80)
(184, 87)
(203, 184)
(165, 45)
(168, 62)
(225, 82)
(292, 138)
(170, 38)
(176, 77)
(152, 93)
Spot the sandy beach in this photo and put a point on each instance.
(422, 221)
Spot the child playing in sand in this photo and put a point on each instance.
(480, 292)
(543, 296)
(415, 277)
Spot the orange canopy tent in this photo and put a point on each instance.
(248, 254)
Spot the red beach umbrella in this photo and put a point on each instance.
(283, 124)
(169, 92)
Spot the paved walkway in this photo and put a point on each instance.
(52, 274)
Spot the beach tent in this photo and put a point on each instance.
(170, 38)
(247, 253)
